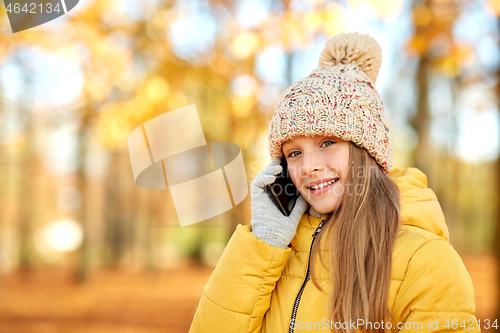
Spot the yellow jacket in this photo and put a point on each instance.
(254, 286)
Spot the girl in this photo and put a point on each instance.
(365, 248)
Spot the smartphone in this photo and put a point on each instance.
(283, 192)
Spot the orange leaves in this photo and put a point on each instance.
(114, 126)
(422, 15)
(243, 105)
(434, 22)
(157, 88)
(419, 44)
(335, 20)
(448, 56)
(96, 88)
(244, 44)
(177, 100)
(314, 20)
(294, 32)
(117, 119)
(458, 56)
(493, 6)
(297, 29)
(386, 10)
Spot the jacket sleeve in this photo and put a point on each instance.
(436, 294)
(238, 294)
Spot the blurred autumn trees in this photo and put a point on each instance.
(141, 61)
(438, 54)
(441, 54)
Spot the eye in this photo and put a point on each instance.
(331, 141)
(290, 155)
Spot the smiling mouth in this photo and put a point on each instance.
(316, 188)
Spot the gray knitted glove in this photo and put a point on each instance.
(268, 223)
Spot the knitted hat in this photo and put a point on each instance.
(337, 99)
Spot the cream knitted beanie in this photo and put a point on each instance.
(337, 99)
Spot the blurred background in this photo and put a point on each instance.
(83, 249)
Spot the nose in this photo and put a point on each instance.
(311, 165)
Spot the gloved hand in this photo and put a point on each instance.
(268, 223)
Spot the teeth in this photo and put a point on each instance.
(315, 187)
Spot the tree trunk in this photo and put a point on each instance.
(114, 230)
(421, 121)
(27, 165)
(82, 185)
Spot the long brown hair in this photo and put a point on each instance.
(360, 236)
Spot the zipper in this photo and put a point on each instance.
(308, 276)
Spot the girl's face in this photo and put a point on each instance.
(316, 160)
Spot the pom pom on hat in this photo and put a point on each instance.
(353, 48)
(337, 99)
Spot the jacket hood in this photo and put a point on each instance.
(419, 205)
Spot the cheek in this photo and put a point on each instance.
(294, 175)
(340, 163)
(345, 166)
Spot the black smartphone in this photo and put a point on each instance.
(283, 192)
